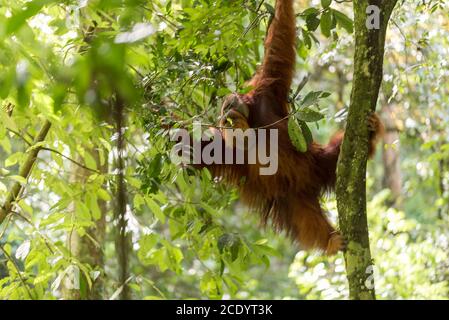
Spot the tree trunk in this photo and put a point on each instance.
(122, 237)
(84, 248)
(443, 186)
(390, 155)
(351, 171)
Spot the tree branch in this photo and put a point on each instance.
(351, 171)
(24, 172)
(70, 159)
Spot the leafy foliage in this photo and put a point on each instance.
(169, 63)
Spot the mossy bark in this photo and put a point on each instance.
(351, 171)
(89, 249)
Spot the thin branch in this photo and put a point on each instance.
(17, 270)
(5, 225)
(136, 71)
(29, 143)
(70, 159)
(24, 172)
(262, 127)
(301, 86)
(46, 240)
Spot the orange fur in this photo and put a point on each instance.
(290, 198)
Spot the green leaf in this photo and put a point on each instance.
(222, 65)
(91, 163)
(267, 250)
(6, 79)
(296, 136)
(224, 241)
(19, 18)
(269, 8)
(23, 250)
(326, 3)
(306, 132)
(312, 22)
(3, 187)
(261, 241)
(154, 169)
(25, 207)
(223, 92)
(52, 218)
(310, 11)
(343, 21)
(19, 179)
(13, 159)
(155, 209)
(309, 115)
(92, 202)
(103, 195)
(326, 23)
(6, 144)
(306, 38)
(82, 212)
(8, 121)
(59, 93)
(310, 99)
(168, 6)
(146, 243)
(23, 95)
(138, 201)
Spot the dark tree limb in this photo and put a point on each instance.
(122, 238)
(24, 172)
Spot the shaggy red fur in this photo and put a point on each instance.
(290, 198)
